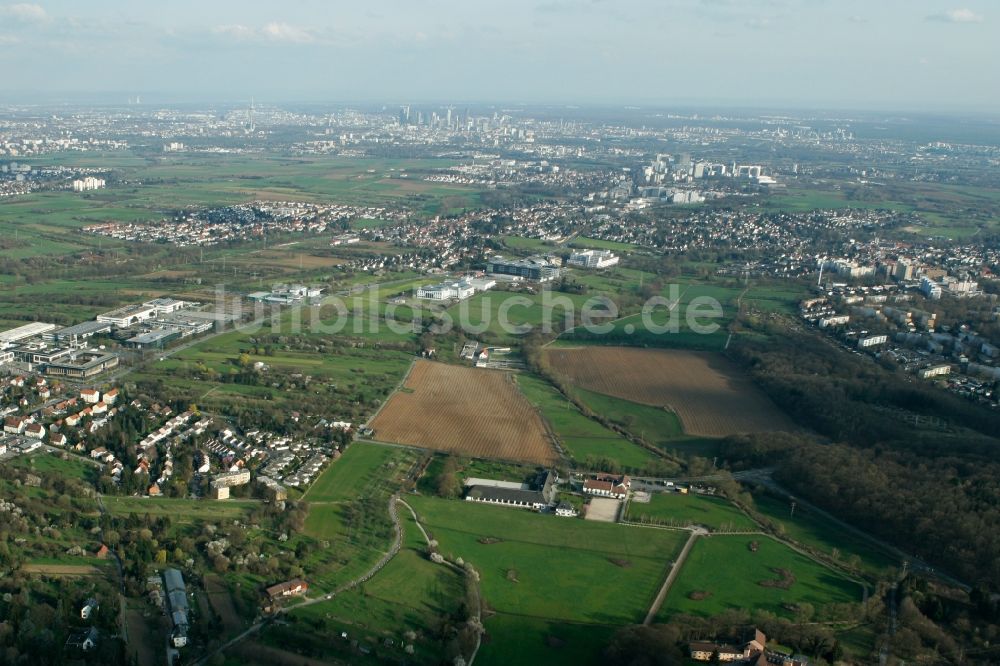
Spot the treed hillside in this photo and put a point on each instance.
(933, 491)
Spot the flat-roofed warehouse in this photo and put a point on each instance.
(128, 315)
(154, 339)
(82, 331)
(25, 332)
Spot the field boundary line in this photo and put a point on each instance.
(675, 570)
(399, 385)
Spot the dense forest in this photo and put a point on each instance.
(931, 486)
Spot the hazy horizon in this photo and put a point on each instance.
(921, 56)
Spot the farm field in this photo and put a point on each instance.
(540, 566)
(682, 510)
(464, 410)
(727, 575)
(583, 437)
(705, 391)
(814, 530)
(362, 466)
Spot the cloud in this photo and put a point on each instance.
(760, 23)
(24, 12)
(271, 32)
(957, 16)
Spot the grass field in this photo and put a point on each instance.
(724, 568)
(654, 425)
(70, 467)
(583, 437)
(514, 639)
(819, 532)
(540, 566)
(504, 317)
(353, 474)
(464, 410)
(684, 510)
(708, 393)
(179, 509)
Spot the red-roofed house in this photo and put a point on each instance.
(92, 396)
(608, 485)
(15, 425)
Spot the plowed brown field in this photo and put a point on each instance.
(475, 412)
(708, 393)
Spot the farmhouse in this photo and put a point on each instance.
(566, 510)
(747, 650)
(83, 639)
(89, 608)
(291, 588)
(535, 496)
(608, 485)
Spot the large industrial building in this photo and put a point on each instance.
(129, 315)
(457, 289)
(24, 332)
(593, 259)
(82, 365)
(538, 268)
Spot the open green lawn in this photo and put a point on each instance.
(689, 509)
(514, 639)
(179, 510)
(725, 568)
(45, 462)
(554, 568)
(409, 594)
(583, 437)
(360, 467)
(586, 242)
(503, 316)
(654, 425)
(819, 532)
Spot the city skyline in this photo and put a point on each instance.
(792, 53)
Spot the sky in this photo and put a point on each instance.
(903, 55)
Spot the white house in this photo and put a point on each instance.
(566, 510)
(89, 608)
